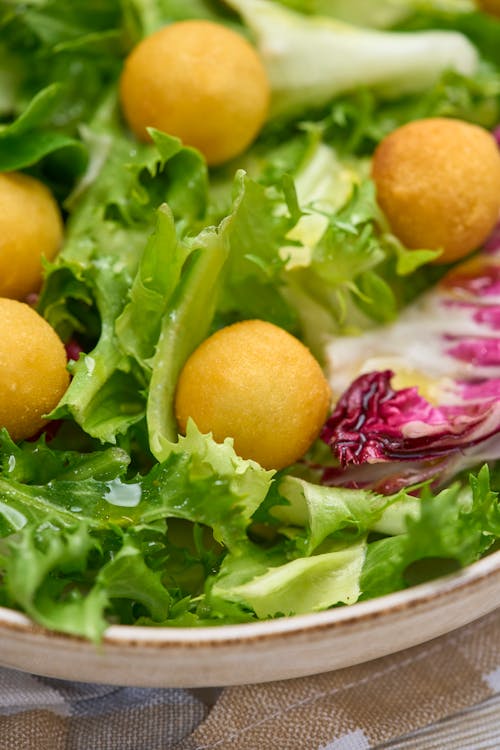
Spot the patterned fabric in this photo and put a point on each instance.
(445, 693)
(38, 713)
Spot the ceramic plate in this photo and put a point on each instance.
(257, 652)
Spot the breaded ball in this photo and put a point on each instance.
(33, 374)
(490, 6)
(31, 227)
(200, 81)
(256, 383)
(438, 183)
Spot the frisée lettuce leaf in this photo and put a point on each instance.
(111, 555)
(459, 524)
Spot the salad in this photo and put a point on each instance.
(243, 390)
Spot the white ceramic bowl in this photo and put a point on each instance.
(261, 651)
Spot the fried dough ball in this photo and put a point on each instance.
(258, 384)
(438, 183)
(199, 81)
(490, 6)
(30, 227)
(33, 374)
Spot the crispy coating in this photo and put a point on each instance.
(199, 81)
(30, 228)
(33, 374)
(258, 384)
(438, 183)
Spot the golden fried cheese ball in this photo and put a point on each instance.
(258, 384)
(438, 183)
(490, 6)
(33, 374)
(199, 81)
(31, 227)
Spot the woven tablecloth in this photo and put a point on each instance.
(443, 694)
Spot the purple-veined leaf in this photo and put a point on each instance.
(419, 399)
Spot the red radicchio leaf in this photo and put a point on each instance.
(496, 134)
(50, 430)
(372, 423)
(73, 350)
(492, 244)
(477, 351)
(385, 439)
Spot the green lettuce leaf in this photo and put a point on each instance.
(200, 481)
(74, 577)
(306, 584)
(147, 17)
(127, 576)
(159, 271)
(254, 232)
(106, 243)
(27, 140)
(186, 322)
(42, 41)
(43, 564)
(360, 12)
(459, 524)
(324, 511)
(311, 60)
(38, 463)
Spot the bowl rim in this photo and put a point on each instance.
(341, 618)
